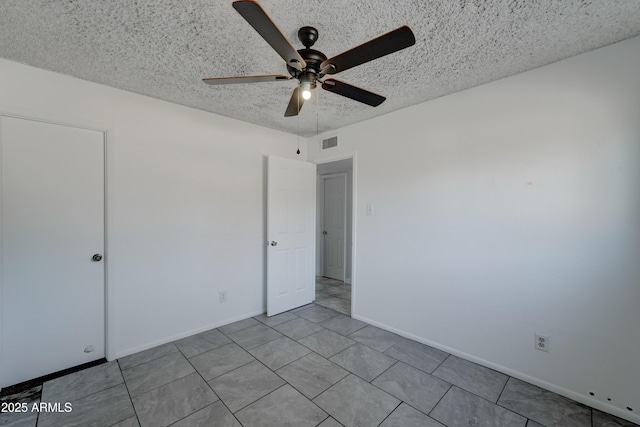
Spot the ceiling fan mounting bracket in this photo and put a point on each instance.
(307, 36)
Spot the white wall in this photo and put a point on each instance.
(509, 209)
(185, 213)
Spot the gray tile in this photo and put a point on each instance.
(601, 419)
(221, 360)
(245, 385)
(417, 355)
(376, 338)
(346, 294)
(337, 291)
(104, 408)
(532, 423)
(330, 422)
(82, 383)
(147, 355)
(238, 326)
(363, 361)
(543, 406)
(406, 416)
(461, 408)
(199, 343)
(129, 422)
(472, 377)
(337, 304)
(321, 295)
(317, 314)
(216, 415)
(147, 376)
(298, 328)
(254, 336)
(172, 402)
(28, 418)
(355, 402)
(279, 352)
(417, 388)
(344, 325)
(275, 320)
(326, 343)
(283, 407)
(19, 419)
(312, 374)
(301, 308)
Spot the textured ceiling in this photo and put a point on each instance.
(163, 48)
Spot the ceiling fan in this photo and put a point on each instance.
(310, 66)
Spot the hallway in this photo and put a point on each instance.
(333, 294)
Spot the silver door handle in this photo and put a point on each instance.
(273, 243)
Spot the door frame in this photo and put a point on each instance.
(320, 220)
(107, 132)
(354, 215)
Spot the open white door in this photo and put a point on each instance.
(291, 218)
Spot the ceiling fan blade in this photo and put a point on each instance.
(260, 21)
(295, 103)
(353, 92)
(246, 79)
(393, 41)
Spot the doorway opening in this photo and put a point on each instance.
(334, 228)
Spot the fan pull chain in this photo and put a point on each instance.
(298, 120)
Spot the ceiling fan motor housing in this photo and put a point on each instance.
(313, 58)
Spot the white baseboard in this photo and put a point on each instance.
(172, 338)
(578, 397)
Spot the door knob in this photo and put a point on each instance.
(96, 257)
(324, 232)
(273, 243)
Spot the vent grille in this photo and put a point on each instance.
(330, 142)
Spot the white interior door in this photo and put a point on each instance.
(335, 218)
(291, 218)
(52, 223)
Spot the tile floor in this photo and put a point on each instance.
(313, 366)
(333, 294)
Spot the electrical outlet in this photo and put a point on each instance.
(542, 342)
(223, 296)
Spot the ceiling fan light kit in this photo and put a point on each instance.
(310, 66)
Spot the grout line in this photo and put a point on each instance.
(126, 386)
(503, 388)
(382, 373)
(150, 360)
(440, 364)
(394, 409)
(440, 400)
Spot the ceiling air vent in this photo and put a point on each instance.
(330, 142)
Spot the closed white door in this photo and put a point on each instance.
(291, 218)
(52, 225)
(334, 233)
